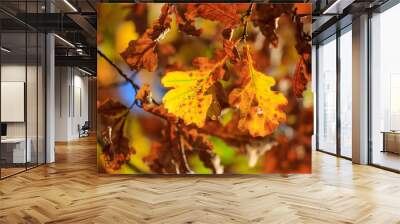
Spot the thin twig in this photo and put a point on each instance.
(135, 86)
(246, 20)
(123, 75)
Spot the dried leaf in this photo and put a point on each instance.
(303, 46)
(227, 14)
(116, 148)
(111, 112)
(140, 54)
(161, 25)
(260, 107)
(265, 16)
(231, 51)
(170, 154)
(112, 109)
(301, 77)
(185, 20)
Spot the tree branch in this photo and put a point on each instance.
(122, 74)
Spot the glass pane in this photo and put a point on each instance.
(385, 86)
(41, 99)
(31, 97)
(346, 94)
(13, 85)
(327, 96)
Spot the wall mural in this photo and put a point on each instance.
(203, 88)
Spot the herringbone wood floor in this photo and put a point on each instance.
(71, 191)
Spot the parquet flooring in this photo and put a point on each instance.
(71, 191)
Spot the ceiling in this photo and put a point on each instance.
(330, 15)
(72, 20)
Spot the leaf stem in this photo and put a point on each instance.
(185, 162)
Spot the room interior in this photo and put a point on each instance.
(49, 120)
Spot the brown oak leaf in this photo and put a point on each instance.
(141, 52)
(265, 15)
(231, 51)
(227, 14)
(302, 76)
(169, 155)
(185, 20)
(116, 148)
(161, 25)
(110, 111)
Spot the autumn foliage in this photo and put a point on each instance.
(240, 105)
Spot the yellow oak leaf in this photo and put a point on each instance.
(189, 98)
(260, 107)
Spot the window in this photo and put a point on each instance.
(327, 95)
(385, 89)
(346, 92)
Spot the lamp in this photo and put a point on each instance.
(64, 40)
(5, 50)
(70, 5)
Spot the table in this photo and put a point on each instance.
(16, 147)
(391, 141)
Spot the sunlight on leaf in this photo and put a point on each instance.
(260, 107)
(189, 99)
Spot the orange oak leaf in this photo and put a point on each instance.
(260, 108)
(141, 52)
(227, 14)
(191, 95)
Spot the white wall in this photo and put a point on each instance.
(71, 102)
(16, 73)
